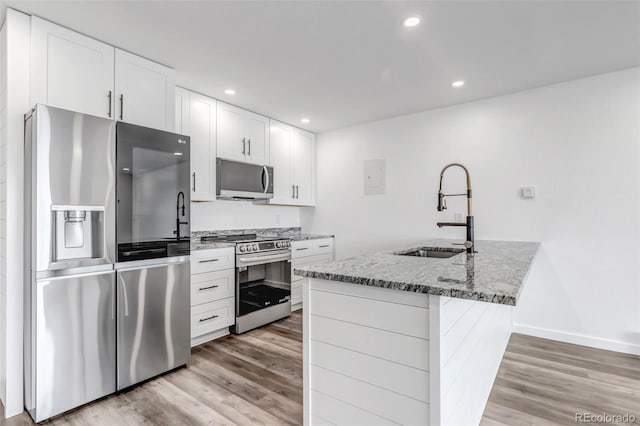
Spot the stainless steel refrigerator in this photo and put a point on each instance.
(86, 337)
(70, 322)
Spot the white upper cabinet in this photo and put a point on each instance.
(232, 144)
(202, 130)
(280, 143)
(75, 72)
(242, 135)
(293, 160)
(303, 165)
(71, 71)
(257, 131)
(145, 92)
(181, 124)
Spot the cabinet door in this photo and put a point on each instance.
(304, 167)
(280, 155)
(256, 129)
(202, 129)
(231, 139)
(70, 70)
(145, 92)
(182, 111)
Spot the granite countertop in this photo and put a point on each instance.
(304, 237)
(198, 245)
(495, 274)
(294, 234)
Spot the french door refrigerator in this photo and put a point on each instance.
(107, 276)
(70, 323)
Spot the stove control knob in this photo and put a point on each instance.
(278, 244)
(255, 247)
(241, 249)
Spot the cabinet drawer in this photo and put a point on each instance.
(322, 246)
(213, 316)
(212, 286)
(212, 260)
(301, 248)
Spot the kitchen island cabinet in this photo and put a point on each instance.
(404, 339)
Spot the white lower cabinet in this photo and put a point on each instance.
(212, 294)
(305, 253)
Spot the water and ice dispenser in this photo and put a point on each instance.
(78, 233)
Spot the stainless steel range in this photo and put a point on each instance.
(263, 279)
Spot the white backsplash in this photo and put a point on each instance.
(222, 215)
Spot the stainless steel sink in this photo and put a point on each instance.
(434, 252)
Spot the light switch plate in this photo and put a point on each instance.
(528, 193)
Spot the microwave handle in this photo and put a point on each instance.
(265, 172)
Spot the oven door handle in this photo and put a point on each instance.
(264, 259)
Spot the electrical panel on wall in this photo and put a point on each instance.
(374, 177)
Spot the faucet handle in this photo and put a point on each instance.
(466, 244)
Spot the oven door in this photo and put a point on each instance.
(153, 194)
(263, 280)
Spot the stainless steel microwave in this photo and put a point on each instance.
(243, 181)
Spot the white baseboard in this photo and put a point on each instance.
(578, 339)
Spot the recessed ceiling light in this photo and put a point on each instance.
(126, 169)
(458, 83)
(230, 92)
(177, 153)
(412, 21)
(305, 120)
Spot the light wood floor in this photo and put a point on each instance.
(256, 378)
(544, 382)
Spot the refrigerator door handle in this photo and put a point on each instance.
(124, 295)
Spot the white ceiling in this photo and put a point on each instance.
(342, 63)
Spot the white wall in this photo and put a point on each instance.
(576, 142)
(14, 103)
(221, 214)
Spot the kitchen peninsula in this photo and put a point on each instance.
(410, 336)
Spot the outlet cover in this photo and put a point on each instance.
(528, 193)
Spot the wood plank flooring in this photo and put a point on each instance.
(251, 379)
(256, 379)
(544, 382)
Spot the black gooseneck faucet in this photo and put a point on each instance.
(178, 208)
(442, 205)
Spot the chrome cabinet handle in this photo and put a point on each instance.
(244, 145)
(208, 260)
(297, 192)
(302, 248)
(208, 318)
(121, 107)
(194, 181)
(207, 288)
(249, 143)
(109, 97)
(324, 246)
(293, 191)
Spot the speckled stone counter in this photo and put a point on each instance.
(495, 274)
(198, 245)
(304, 237)
(294, 234)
